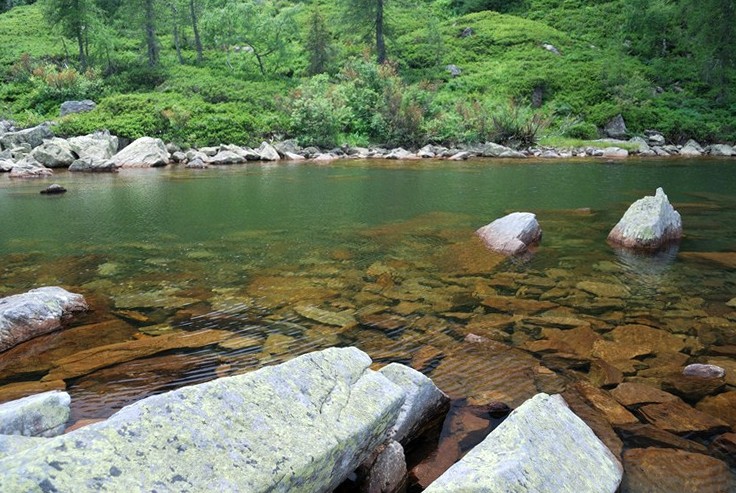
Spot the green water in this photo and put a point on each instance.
(238, 248)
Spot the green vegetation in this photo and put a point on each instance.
(208, 71)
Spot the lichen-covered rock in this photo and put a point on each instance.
(304, 425)
(33, 137)
(40, 415)
(649, 224)
(99, 145)
(424, 402)
(543, 447)
(512, 234)
(54, 153)
(12, 444)
(143, 153)
(37, 312)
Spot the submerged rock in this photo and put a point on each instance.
(665, 470)
(54, 189)
(541, 446)
(512, 234)
(41, 415)
(649, 224)
(37, 312)
(304, 425)
(143, 153)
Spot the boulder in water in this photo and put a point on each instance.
(145, 152)
(650, 223)
(512, 234)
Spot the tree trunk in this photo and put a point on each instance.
(195, 28)
(151, 40)
(177, 41)
(82, 51)
(380, 44)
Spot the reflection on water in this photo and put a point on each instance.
(194, 276)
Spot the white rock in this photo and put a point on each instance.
(615, 152)
(703, 371)
(99, 145)
(721, 150)
(267, 152)
(542, 447)
(511, 234)
(143, 153)
(649, 223)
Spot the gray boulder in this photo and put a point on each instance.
(6, 126)
(700, 370)
(643, 146)
(196, 163)
(491, 149)
(304, 425)
(423, 406)
(28, 167)
(227, 157)
(542, 447)
(654, 138)
(649, 224)
(72, 107)
(512, 234)
(99, 145)
(178, 156)
(53, 189)
(94, 165)
(37, 312)
(290, 146)
(400, 153)
(615, 152)
(426, 152)
(145, 152)
(54, 153)
(34, 137)
(454, 70)
(691, 149)
(267, 152)
(387, 472)
(551, 49)
(721, 150)
(616, 128)
(40, 415)
(6, 165)
(209, 151)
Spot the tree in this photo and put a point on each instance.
(74, 19)
(149, 27)
(252, 26)
(194, 17)
(318, 43)
(712, 25)
(360, 14)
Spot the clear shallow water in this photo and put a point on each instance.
(254, 250)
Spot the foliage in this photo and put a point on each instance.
(318, 43)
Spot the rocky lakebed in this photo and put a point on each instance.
(568, 349)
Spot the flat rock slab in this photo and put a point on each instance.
(542, 446)
(632, 394)
(681, 419)
(41, 415)
(304, 425)
(37, 312)
(658, 470)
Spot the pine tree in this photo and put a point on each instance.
(318, 43)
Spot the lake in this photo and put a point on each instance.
(278, 260)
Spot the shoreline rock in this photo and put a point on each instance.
(37, 312)
(305, 425)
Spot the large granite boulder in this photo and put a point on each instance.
(649, 224)
(99, 145)
(691, 149)
(543, 447)
(721, 150)
(13, 444)
(267, 152)
(37, 312)
(71, 107)
(512, 234)
(424, 402)
(304, 425)
(40, 415)
(34, 137)
(94, 165)
(145, 152)
(28, 167)
(54, 153)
